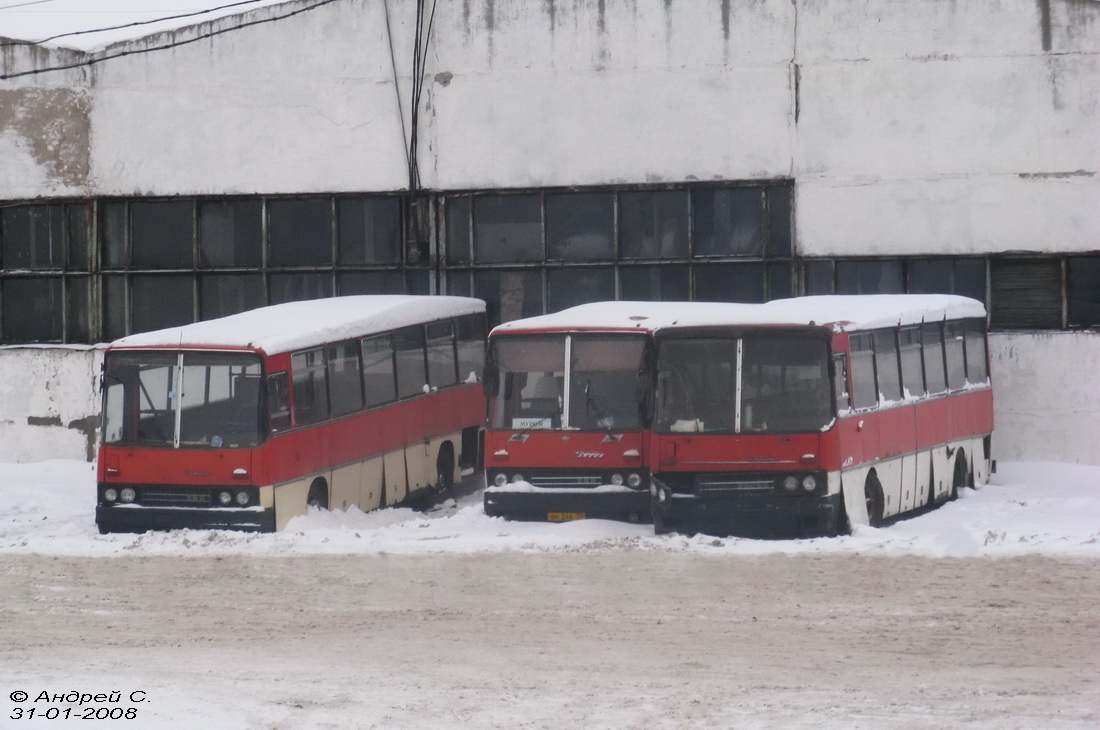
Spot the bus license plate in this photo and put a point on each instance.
(564, 516)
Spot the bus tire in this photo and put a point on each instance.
(445, 468)
(960, 478)
(876, 501)
(659, 527)
(318, 494)
(931, 501)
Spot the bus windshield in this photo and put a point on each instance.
(596, 390)
(219, 403)
(757, 384)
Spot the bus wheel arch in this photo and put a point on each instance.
(445, 467)
(874, 498)
(318, 494)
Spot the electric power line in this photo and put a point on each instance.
(166, 46)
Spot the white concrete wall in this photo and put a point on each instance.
(49, 402)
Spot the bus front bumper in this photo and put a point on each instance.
(123, 518)
(758, 516)
(516, 502)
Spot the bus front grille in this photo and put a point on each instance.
(565, 481)
(721, 485)
(160, 497)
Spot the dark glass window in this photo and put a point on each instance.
(654, 224)
(409, 352)
(370, 282)
(840, 382)
(581, 226)
(230, 233)
(78, 237)
(158, 301)
(509, 295)
(570, 287)
(310, 389)
(955, 352)
(32, 309)
(729, 222)
(935, 377)
(886, 365)
(977, 370)
(1025, 294)
(378, 374)
(442, 362)
(471, 347)
(162, 235)
(1083, 273)
(78, 304)
(730, 283)
(278, 401)
(655, 283)
(965, 277)
(912, 370)
(779, 221)
(221, 295)
(345, 382)
(864, 390)
(369, 230)
(115, 321)
(458, 230)
(508, 228)
(869, 277)
(818, 277)
(780, 283)
(300, 232)
(33, 236)
(299, 287)
(115, 222)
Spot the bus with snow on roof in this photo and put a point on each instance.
(245, 421)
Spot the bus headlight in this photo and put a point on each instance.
(634, 480)
(809, 483)
(225, 498)
(653, 489)
(242, 498)
(790, 484)
(500, 479)
(663, 496)
(517, 477)
(110, 495)
(128, 494)
(617, 479)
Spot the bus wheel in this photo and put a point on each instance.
(445, 468)
(961, 477)
(318, 494)
(876, 502)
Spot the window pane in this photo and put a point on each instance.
(780, 285)
(869, 277)
(32, 236)
(1084, 291)
(409, 349)
(912, 371)
(32, 309)
(378, 374)
(115, 321)
(654, 224)
(458, 230)
(299, 232)
(230, 233)
(570, 287)
(370, 282)
(161, 301)
(299, 287)
(278, 401)
(532, 376)
(779, 221)
(508, 228)
(932, 343)
(369, 230)
(729, 222)
(729, 283)
(441, 354)
(977, 370)
(344, 379)
(864, 390)
(162, 235)
(220, 400)
(581, 226)
(509, 295)
(78, 305)
(818, 277)
(419, 281)
(955, 354)
(310, 391)
(605, 372)
(965, 277)
(116, 229)
(77, 216)
(840, 382)
(785, 384)
(886, 365)
(225, 294)
(655, 283)
(471, 347)
(1025, 294)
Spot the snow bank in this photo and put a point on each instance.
(1029, 509)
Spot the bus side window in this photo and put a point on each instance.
(932, 344)
(955, 354)
(344, 380)
(840, 382)
(409, 349)
(977, 369)
(471, 347)
(310, 387)
(442, 365)
(278, 401)
(379, 378)
(912, 372)
(886, 365)
(864, 391)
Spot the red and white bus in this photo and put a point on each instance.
(242, 422)
(809, 416)
(568, 414)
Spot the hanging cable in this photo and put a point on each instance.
(166, 46)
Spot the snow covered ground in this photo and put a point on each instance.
(1027, 509)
